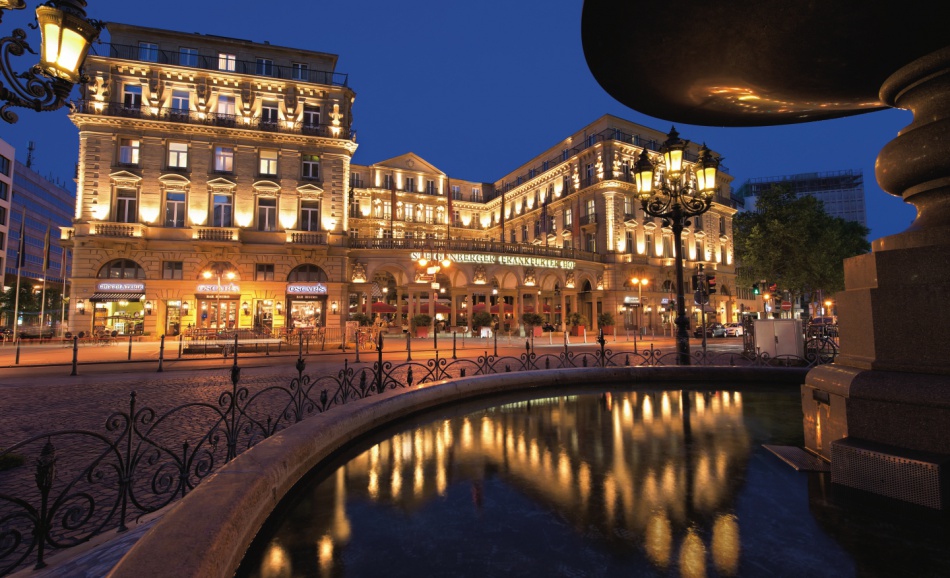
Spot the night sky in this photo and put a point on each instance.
(475, 88)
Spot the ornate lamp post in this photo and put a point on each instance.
(66, 37)
(675, 195)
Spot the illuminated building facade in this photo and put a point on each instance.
(216, 189)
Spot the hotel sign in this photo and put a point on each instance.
(306, 289)
(120, 287)
(492, 259)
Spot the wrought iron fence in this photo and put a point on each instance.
(83, 483)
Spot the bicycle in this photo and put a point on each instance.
(366, 339)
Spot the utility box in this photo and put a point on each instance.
(780, 337)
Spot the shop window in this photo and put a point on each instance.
(172, 270)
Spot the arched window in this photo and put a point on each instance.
(668, 286)
(305, 273)
(121, 269)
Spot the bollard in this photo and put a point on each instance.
(495, 334)
(435, 338)
(161, 355)
(18, 339)
(585, 335)
(75, 354)
(181, 339)
(408, 347)
(357, 360)
(453, 346)
(235, 348)
(300, 348)
(267, 348)
(130, 349)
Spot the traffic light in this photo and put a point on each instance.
(710, 285)
(695, 281)
(755, 289)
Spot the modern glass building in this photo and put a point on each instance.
(842, 192)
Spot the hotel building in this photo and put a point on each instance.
(216, 190)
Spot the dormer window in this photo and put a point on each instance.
(265, 67)
(227, 62)
(300, 71)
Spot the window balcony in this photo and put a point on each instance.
(216, 233)
(590, 219)
(307, 237)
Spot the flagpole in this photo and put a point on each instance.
(43, 292)
(19, 268)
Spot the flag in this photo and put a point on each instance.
(448, 194)
(21, 250)
(503, 215)
(46, 249)
(544, 220)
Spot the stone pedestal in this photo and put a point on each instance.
(891, 384)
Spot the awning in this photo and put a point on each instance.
(108, 297)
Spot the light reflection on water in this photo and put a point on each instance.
(616, 483)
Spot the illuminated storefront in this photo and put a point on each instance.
(306, 305)
(118, 306)
(219, 305)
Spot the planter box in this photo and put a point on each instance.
(422, 332)
(577, 330)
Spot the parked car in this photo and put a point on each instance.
(734, 330)
(712, 330)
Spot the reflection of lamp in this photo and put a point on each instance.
(148, 307)
(246, 308)
(334, 307)
(280, 307)
(676, 197)
(81, 306)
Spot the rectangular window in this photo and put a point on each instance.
(722, 253)
(132, 96)
(410, 213)
(476, 194)
(300, 71)
(456, 192)
(172, 269)
(264, 272)
(4, 165)
(188, 56)
(223, 159)
(125, 206)
(3, 219)
(4, 191)
(180, 100)
(591, 208)
(410, 185)
(722, 225)
(178, 155)
(513, 236)
(148, 52)
(524, 233)
(698, 222)
(227, 62)
(266, 214)
(430, 187)
(591, 242)
(700, 251)
(387, 211)
(630, 243)
(537, 229)
(568, 218)
(387, 181)
(667, 246)
(310, 215)
(268, 163)
(355, 208)
(269, 112)
(311, 116)
(265, 67)
(129, 151)
(311, 167)
(222, 215)
(650, 243)
(175, 209)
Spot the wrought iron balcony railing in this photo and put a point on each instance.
(474, 246)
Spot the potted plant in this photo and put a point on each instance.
(577, 322)
(481, 319)
(421, 324)
(363, 319)
(533, 322)
(606, 322)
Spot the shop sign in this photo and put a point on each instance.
(306, 289)
(207, 288)
(120, 287)
(491, 259)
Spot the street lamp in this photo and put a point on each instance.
(66, 36)
(81, 306)
(675, 195)
(639, 283)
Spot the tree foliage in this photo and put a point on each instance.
(791, 241)
(29, 303)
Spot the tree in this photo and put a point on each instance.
(791, 241)
(482, 319)
(532, 320)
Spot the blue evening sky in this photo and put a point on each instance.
(475, 88)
